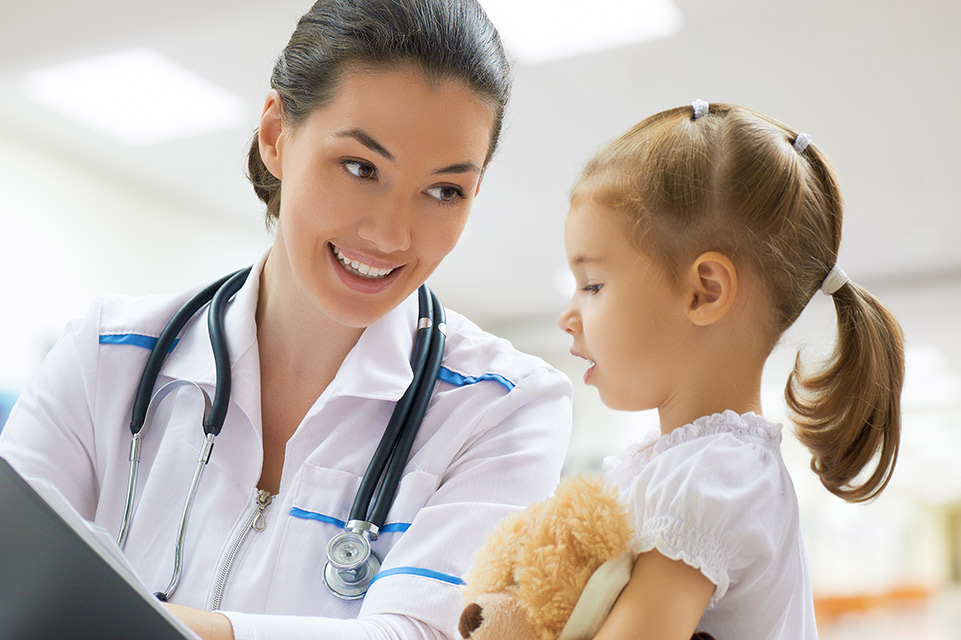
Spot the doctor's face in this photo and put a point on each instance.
(376, 188)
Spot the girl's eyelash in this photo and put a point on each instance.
(592, 288)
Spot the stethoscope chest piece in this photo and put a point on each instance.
(351, 565)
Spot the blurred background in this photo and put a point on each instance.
(101, 195)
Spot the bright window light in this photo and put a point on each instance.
(137, 97)
(538, 31)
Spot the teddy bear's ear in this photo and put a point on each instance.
(495, 563)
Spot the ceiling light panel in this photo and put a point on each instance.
(136, 96)
(539, 31)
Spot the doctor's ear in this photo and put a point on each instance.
(269, 137)
(712, 282)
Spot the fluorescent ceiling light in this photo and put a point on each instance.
(538, 31)
(137, 97)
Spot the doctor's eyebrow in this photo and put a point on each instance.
(371, 143)
(460, 167)
(367, 140)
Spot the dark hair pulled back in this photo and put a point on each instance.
(447, 39)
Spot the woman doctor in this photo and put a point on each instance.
(372, 146)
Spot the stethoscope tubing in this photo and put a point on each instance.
(359, 510)
(218, 294)
(389, 460)
(398, 461)
(218, 342)
(161, 349)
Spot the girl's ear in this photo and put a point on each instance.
(713, 281)
(269, 136)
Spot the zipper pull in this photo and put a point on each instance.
(263, 499)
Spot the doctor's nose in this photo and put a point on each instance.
(387, 227)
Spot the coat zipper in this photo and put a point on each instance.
(256, 521)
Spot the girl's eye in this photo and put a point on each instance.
(592, 288)
(359, 169)
(445, 193)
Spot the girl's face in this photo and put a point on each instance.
(376, 189)
(625, 317)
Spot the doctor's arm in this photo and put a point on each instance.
(49, 434)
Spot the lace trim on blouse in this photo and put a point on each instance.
(749, 428)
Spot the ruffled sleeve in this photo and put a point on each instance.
(709, 494)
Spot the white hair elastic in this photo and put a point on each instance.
(801, 142)
(835, 279)
(700, 108)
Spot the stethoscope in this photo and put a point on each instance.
(351, 564)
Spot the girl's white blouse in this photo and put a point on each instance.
(493, 440)
(716, 494)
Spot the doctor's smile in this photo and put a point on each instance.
(361, 273)
(361, 265)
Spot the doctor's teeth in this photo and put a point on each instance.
(359, 267)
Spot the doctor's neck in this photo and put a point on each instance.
(290, 327)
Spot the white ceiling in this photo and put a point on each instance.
(876, 84)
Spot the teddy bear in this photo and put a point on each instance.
(553, 570)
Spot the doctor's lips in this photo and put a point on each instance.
(361, 266)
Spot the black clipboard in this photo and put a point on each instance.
(54, 584)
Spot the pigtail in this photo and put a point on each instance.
(851, 410)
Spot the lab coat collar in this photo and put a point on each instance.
(377, 367)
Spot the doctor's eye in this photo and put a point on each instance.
(359, 169)
(445, 193)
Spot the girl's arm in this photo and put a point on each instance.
(664, 600)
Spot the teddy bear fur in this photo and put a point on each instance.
(529, 575)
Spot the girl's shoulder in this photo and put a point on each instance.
(714, 493)
(709, 444)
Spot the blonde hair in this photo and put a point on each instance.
(732, 181)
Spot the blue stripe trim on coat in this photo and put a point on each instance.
(459, 380)
(417, 571)
(390, 527)
(133, 340)
(319, 517)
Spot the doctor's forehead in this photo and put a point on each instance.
(391, 110)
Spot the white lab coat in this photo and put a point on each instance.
(493, 440)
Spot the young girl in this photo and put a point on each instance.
(697, 238)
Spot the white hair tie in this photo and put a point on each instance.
(801, 142)
(835, 279)
(700, 108)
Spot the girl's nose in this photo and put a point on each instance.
(569, 321)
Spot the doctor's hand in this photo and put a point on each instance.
(209, 625)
